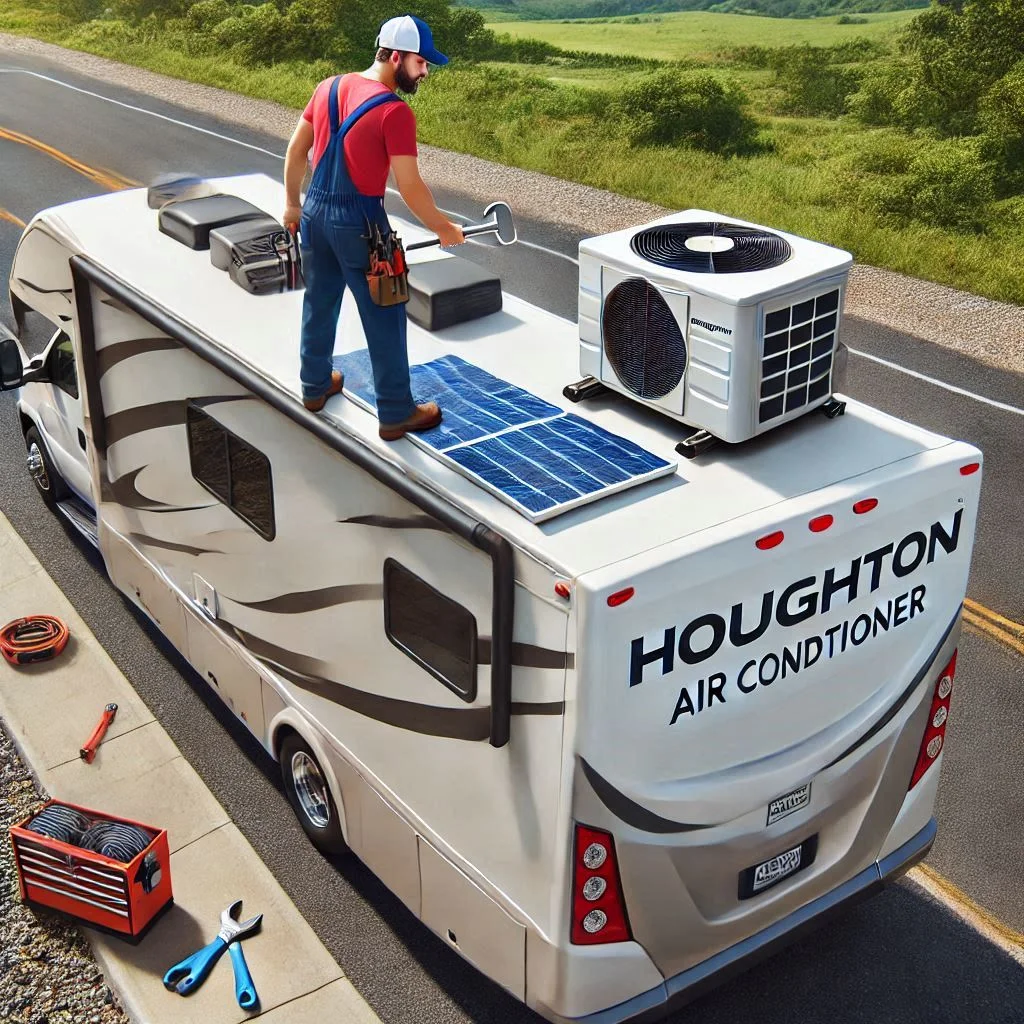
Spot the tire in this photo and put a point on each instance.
(49, 483)
(310, 796)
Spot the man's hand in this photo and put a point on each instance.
(292, 216)
(450, 234)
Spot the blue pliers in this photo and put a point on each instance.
(188, 975)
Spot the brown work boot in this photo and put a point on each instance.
(426, 417)
(337, 383)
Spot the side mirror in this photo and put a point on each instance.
(12, 371)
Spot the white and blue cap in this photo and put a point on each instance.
(411, 35)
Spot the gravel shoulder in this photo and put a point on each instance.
(48, 974)
(990, 332)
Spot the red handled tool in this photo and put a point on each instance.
(88, 752)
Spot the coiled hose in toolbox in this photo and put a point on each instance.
(33, 638)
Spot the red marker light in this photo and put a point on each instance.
(620, 597)
(864, 505)
(971, 467)
(770, 541)
(820, 523)
(562, 589)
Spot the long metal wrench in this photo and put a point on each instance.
(498, 218)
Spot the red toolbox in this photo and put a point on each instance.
(111, 873)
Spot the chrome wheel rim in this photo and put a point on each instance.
(311, 789)
(36, 467)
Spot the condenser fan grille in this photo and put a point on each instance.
(642, 340)
(711, 247)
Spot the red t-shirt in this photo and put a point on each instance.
(386, 131)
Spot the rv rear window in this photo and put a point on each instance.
(232, 470)
(435, 631)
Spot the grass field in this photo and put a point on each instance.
(813, 177)
(699, 35)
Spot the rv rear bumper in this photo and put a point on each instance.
(689, 984)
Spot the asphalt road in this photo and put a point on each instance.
(900, 957)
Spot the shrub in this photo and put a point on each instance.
(947, 184)
(813, 83)
(1002, 118)
(691, 108)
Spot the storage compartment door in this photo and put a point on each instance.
(238, 685)
(462, 914)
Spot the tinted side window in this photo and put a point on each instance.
(232, 470)
(61, 368)
(435, 631)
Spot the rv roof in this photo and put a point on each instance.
(523, 344)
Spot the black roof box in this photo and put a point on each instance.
(190, 221)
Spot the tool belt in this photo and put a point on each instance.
(388, 276)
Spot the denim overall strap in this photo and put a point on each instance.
(332, 183)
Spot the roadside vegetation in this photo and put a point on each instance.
(904, 146)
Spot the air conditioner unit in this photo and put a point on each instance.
(723, 325)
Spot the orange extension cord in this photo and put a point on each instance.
(33, 638)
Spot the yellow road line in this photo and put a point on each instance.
(980, 621)
(1008, 939)
(8, 216)
(994, 617)
(108, 179)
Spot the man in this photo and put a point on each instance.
(358, 128)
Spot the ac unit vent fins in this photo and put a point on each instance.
(642, 340)
(711, 248)
(796, 366)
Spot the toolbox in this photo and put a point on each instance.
(222, 239)
(190, 221)
(119, 896)
(446, 292)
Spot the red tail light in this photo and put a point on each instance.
(598, 909)
(935, 732)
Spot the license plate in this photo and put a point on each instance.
(781, 806)
(770, 872)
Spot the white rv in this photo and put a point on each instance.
(614, 724)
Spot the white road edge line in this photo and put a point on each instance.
(938, 383)
(530, 245)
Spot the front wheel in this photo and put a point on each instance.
(49, 483)
(310, 795)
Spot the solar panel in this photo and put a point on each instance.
(530, 454)
(475, 402)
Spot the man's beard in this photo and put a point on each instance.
(405, 82)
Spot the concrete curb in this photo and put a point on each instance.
(139, 773)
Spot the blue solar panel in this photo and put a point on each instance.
(532, 455)
(475, 402)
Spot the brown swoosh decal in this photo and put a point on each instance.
(314, 600)
(453, 723)
(117, 304)
(144, 417)
(66, 292)
(114, 354)
(158, 414)
(125, 493)
(169, 545)
(527, 655)
(398, 522)
(630, 811)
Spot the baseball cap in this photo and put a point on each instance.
(411, 34)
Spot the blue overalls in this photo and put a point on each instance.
(335, 254)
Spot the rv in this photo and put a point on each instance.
(613, 723)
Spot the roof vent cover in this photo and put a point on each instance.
(711, 247)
